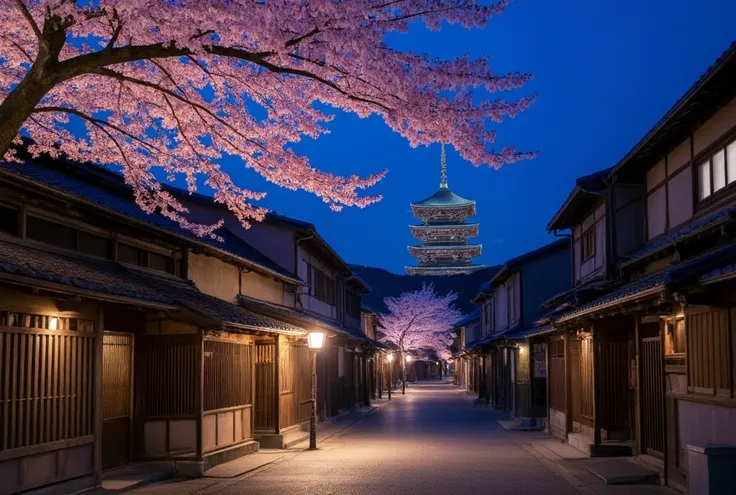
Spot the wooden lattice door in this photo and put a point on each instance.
(117, 394)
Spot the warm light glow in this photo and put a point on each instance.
(522, 349)
(315, 340)
(53, 323)
(390, 357)
(408, 359)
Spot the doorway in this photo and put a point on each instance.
(117, 398)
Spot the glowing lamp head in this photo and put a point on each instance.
(408, 359)
(53, 323)
(390, 357)
(315, 340)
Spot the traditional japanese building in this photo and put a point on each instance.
(444, 232)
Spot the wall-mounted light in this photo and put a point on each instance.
(53, 323)
(315, 340)
(390, 357)
(522, 349)
(408, 359)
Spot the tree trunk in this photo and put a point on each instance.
(18, 106)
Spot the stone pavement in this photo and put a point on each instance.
(432, 440)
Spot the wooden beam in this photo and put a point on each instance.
(639, 390)
(568, 385)
(97, 461)
(277, 384)
(198, 395)
(597, 406)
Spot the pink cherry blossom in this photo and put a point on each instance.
(420, 320)
(175, 86)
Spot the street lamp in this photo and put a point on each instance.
(403, 385)
(315, 340)
(390, 358)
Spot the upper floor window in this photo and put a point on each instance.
(9, 220)
(588, 244)
(142, 257)
(51, 233)
(717, 171)
(321, 285)
(352, 304)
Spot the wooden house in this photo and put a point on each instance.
(513, 368)
(124, 338)
(645, 337)
(467, 363)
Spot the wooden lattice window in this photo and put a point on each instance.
(228, 374)
(588, 244)
(46, 379)
(708, 355)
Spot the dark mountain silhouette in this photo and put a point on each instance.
(384, 283)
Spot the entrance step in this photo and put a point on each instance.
(584, 443)
(622, 472)
(525, 424)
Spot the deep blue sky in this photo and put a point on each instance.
(605, 72)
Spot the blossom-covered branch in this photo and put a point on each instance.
(176, 86)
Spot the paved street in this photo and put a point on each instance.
(433, 440)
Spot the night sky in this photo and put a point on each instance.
(605, 72)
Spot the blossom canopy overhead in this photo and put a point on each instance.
(176, 86)
(421, 320)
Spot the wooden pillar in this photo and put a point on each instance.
(597, 401)
(665, 423)
(367, 380)
(379, 372)
(530, 358)
(546, 381)
(639, 391)
(198, 395)
(97, 460)
(277, 384)
(568, 385)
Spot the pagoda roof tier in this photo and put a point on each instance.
(443, 270)
(455, 229)
(443, 198)
(447, 251)
(440, 215)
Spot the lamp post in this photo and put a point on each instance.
(408, 360)
(390, 358)
(315, 341)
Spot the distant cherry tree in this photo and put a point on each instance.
(177, 85)
(419, 321)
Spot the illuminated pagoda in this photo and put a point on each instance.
(444, 232)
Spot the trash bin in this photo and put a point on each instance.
(711, 469)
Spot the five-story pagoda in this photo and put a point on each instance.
(444, 232)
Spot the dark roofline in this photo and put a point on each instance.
(527, 257)
(161, 230)
(679, 109)
(585, 191)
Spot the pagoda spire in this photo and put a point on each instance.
(443, 168)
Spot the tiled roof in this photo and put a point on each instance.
(105, 277)
(689, 230)
(77, 181)
(529, 256)
(530, 332)
(114, 279)
(726, 272)
(444, 197)
(469, 318)
(184, 294)
(306, 320)
(681, 274)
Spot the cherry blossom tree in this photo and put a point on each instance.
(175, 86)
(419, 321)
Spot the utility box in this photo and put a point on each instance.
(711, 469)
